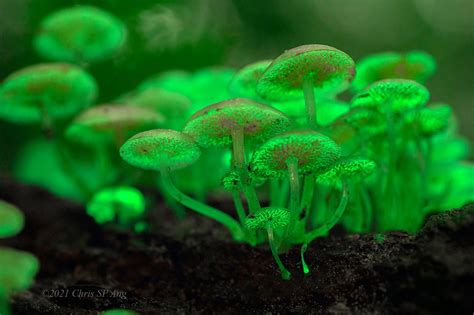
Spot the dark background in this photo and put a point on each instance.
(190, 34)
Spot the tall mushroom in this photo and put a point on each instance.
(304, 152)
(234, 122)
(166, 150)
(305, 70)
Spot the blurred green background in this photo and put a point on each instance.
(190, 34)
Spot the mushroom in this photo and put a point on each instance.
(304, 69)
(11, 220)
(122, 203)
(118, 311)
(428, 121)
(273, 220)
(45, 92)
(414, 65)
(244, 82)
(112, 122)
(304, 152)
(166, 150)
(17, 272)
(232, 122)
(173, 106)
(79, 34)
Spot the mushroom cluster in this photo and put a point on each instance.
(277, 138)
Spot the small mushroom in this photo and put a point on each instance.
(414, 65)
(166, 150)
(79, 34)
(173, 106)
(429, 121)
(273, 220)
(110, 121)
(18, 270)
(44, 92)
(244, 82)
(11, 220)
(297, 152)
(124, 204)
(303, 70)
(393, 95)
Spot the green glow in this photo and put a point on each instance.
(18, 270)
(46, 91)
(313, 151)
(396, 95)
(213, 125)
(11, 220)
(79, 34)
(414, 65)
(154, 149)
(105, 123)
(121, 204)
(245, 81)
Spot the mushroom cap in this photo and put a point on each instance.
(12, 220)
(348, 168)
(62, 89)
(314, 151)
(429, 120)
(79, 33)
(399, 94)
(101, 122)
(330, 69)
(414, 65)
(277, 217)
(244, 82)
(170, 104)
(18, 269)
(125, 202)
(213, 125)
(158, 148)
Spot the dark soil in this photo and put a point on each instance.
(193, 267)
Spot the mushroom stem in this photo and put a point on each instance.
(307, 197)
(239, 207)
(46, 122)
(238, 160)
(308, 90)
(285, 274)
(303, 262)
(201, 208)
(323, 229)
(292, 164)
(367, 206)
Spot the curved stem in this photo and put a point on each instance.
(307, 196)
(292, 164)
(239, 207)
(201, 208)
(323, 229)
(285, 274)
(238, 160)
(303, 261)
(175, 206)
(308, 90)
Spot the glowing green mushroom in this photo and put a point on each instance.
(44, 92)
(393, 95)
(167, 150)
(233, 122)
(123, 204)
(244, 82)
(304, 70)
(173, 106)
(118, 312)
(79, 34)
(11, 220)
(273, 220)
(111, 121)
(303, 152)
(17, 272)
(430, 120)
(414, 65)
